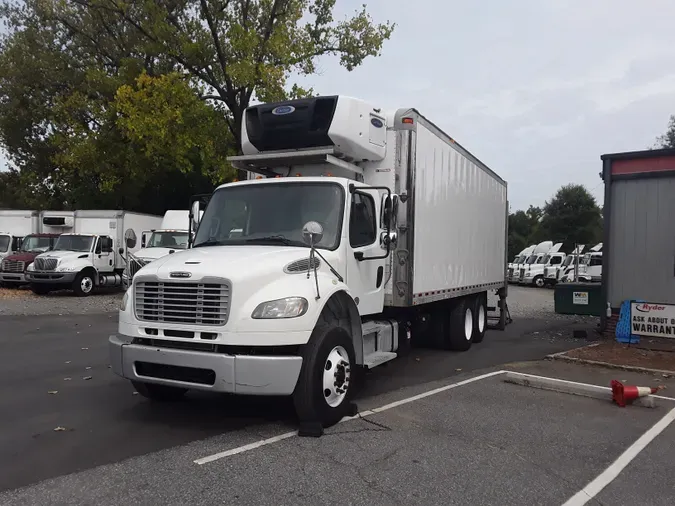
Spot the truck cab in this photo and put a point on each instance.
(514, 270)
(9, 244)
(536, 272)
(589, 265)
(554, 274)
(535, 258)
(13, 267)
(325, 262)
(78, 262)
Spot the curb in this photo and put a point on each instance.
(561, 356)
(572, 387)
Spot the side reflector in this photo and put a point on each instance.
(407, 121)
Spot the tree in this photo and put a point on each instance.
(73, 110)
(236, 50)
(572, 216)
(667, 140)
(523, 229)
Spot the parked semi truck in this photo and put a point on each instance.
(171, 236)
(87, 257)
(363, 231)
(15, 224)
(514, 268)
(537, 256)
(50, 225)
(553, 274)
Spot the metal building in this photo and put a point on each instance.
(639, 229)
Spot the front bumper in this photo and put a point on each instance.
(215, 372)
(50, 277)
(13, 277)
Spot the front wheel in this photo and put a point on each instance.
(83, 284)
(159, 392)
(539, 282)
(324, 390)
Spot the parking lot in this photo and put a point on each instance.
(434, 428)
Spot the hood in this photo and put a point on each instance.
(64, 255)
(22, 257)
(236, 263)
(150, 254)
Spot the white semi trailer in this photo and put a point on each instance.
(362, 231)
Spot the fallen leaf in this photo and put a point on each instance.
(87, 378)
(59, 429)
(67, 379)
(87, 368)
(458, 370)
(52, 392)
(85, 348)
(67, 361)
(134, 393)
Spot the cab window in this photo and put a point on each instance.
(362, 229)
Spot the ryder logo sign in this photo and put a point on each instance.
(651, 319)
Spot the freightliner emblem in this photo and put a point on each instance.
(179, 274)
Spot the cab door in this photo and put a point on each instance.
(365, 262)
(103, 255)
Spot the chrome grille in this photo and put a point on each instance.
(13, 266)
(510, 272)
(45, 264)
(522, 274)
(135, 264)
(192, 303)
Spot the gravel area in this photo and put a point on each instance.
(524, 302)
(24, 302)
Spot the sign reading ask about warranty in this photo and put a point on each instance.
(651, 319)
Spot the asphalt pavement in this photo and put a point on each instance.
(64, 411)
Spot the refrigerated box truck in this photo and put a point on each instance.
(362, 231)
(88, 256)
(15, 224)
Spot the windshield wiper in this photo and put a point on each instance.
(210, 242)
(272, 238)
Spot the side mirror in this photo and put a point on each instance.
(195, 214)
(312, 233)
(130, 238)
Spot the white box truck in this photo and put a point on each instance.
(362, 231)
(89, 256)
(15, 224)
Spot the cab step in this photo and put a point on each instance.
(378, 358)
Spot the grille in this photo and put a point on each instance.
(510, 272)
(522, 274)
(45, 264)
(302, 265)
(13, 266)
(134, 266)
(191, 303)
(545, 271)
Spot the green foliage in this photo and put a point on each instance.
(104, 102)
(166, 119)
(667, 140)
(572, 217)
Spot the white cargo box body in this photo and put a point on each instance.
(19, 222)
(175, 219)
(456, 218)
(114, 223)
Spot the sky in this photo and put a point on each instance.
(537, 90)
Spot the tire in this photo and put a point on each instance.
(83, 285)
(159, 392)
(40, 289)
(538, 281)
(460, 325)
(327, 359)
(479, 319)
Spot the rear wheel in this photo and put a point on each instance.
(480, 319)
(324, 390)
(159, 392)
(461, 322)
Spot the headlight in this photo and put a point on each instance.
(290, 307)
(125, 300)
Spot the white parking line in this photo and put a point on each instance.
(605, 478)
(281, 437)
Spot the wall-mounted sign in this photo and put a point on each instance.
(652, 319)
(580, 298)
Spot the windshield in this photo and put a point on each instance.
(177, 240)
(4, 243)
(272, 214)
(531, 260)
(544, 259)
(74, 243)
(34, 243)
(568, 260)
(586, 260)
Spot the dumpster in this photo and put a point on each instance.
(578, 298)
